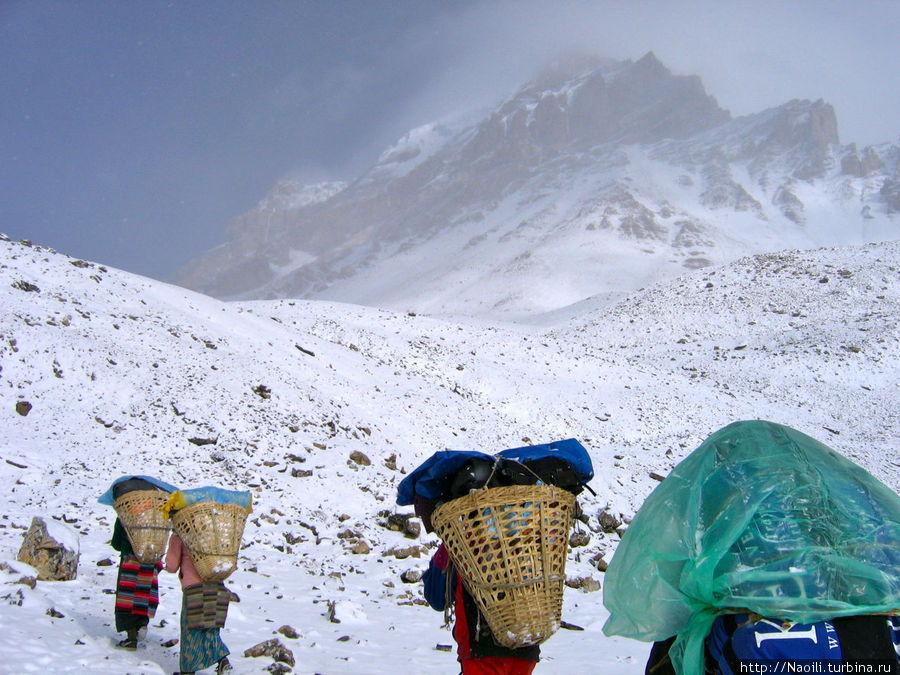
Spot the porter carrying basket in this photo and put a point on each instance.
(211, 532)
(140, 512)
(509, 546)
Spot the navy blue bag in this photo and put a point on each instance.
(848, 644)
(565, 461)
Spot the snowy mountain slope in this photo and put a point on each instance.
(814, 332)
(127, 375)
(590, 180)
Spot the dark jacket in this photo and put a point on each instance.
(120, 541)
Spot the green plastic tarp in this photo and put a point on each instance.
(762, 518)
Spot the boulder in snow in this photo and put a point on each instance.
(52, 549)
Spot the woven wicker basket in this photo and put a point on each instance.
(509, 546)
(140, 512)
(211, 532)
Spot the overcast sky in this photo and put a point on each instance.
(132, 131)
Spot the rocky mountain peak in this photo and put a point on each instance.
(630, 102)
(861, 164)
(590, 157)
(806, 131)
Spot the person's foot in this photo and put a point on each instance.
(224, 666)
(127, 643)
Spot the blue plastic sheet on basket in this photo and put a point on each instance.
(762, 518)
(108, 498)
(431, 477)
(216, 494)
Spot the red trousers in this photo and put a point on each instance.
(497, 665)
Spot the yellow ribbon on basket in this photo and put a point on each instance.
(176, 501)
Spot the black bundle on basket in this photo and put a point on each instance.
(509, 544)
(138, 505)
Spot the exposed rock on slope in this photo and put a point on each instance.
(583, 174)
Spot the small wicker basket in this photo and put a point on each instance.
(140, 512)
(509, 545)
(211, 532)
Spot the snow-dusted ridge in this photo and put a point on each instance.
(595, 177)
(129, 375)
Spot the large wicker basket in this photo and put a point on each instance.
(140, 512)
(211, 532)
(509, 546)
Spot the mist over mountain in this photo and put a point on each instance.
(597, 178)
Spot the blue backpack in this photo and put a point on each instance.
(738, 640)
